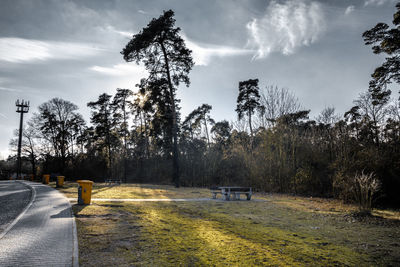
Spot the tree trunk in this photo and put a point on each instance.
(62, 156)
(376, 131)
(33, 166)
(251, 128)
(251, 133)
(146, 137)
(125, 143)
(208, 137)
(175, 150)
(108, 146)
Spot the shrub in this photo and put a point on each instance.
(364, 187)
(302, 182)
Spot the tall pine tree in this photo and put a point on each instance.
(248, 100)
(164, 54)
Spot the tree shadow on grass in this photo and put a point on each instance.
(77, 208)
(102, 188)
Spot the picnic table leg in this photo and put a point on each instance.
(248, 196)
(214, 195)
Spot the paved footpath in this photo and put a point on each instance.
(44, 234)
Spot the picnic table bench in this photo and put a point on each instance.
(113, 181)
(228, 191)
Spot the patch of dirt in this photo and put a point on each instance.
(95, 215)
(371, 219)
(110, 205)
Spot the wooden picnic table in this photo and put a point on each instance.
(235, 191)
(112, 181)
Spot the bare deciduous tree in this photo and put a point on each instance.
(328, 116)
(276, 102)
(372, 111)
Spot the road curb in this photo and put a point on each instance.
(11, 225)
(75, 253)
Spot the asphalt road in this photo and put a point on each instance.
(14, 197)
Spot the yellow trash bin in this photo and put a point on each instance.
(84, 191)
(60, 181)
(46, 178)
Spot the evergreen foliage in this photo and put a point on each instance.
(135, 135)
(164, 54)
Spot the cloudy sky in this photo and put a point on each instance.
(71, 49)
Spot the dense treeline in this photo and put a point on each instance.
(273, 146)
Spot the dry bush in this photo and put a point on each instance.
(364, 188)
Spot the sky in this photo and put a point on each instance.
(71, 50)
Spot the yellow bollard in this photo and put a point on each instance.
(46, 178)
(60, 181)
(84, 191)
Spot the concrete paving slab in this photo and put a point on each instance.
(45, 235)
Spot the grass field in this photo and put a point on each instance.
(102, 190)
(270, 230)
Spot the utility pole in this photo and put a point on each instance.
(22, 107)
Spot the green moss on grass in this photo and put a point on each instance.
(276, 231)
(135, 191)
(178, 236)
